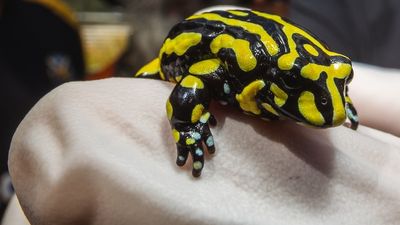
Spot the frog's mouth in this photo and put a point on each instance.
(288, 114)
(280, 103)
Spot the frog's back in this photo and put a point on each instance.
(248, 43)
(230, 36)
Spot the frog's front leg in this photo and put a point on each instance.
(351, 112)
(187, 110)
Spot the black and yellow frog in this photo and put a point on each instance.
(262, 63)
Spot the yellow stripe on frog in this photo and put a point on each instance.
(205, 67)
(280, 96)
(150, 68)
(244, 55)
(269, 108)
(238, 13)
(269, 43)
(179, 45)
(309, 110)
(197, 112)
(169, 109)
(286, 61)
(247, 99)
(192, 82)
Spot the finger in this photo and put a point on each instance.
(212, 121)
(183, 153)
(208, 139)
(197, 153)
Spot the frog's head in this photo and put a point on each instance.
(313, 94)
(309, 80)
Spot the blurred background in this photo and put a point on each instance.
(44, 43)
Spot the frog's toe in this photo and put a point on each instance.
(197, 172)
(208, 140)
(212, 121)
(182, 156)
(197, 153)
(352, 115)
(193, 139)
(354, 124)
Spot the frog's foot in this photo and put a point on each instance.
(352, 115)
(351, 112)
(187, 111)
(193, 138)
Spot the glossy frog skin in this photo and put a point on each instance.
(261, 63)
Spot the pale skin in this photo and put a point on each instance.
(107, 126)
(375, 92)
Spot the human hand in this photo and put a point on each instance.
(101, 152)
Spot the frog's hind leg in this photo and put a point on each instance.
(351, 112)
(151, 70)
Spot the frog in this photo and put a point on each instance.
(262, 64)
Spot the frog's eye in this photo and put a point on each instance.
(290, 82)
(324, 101)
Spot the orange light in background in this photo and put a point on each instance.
(103, 46)
(279, 7)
